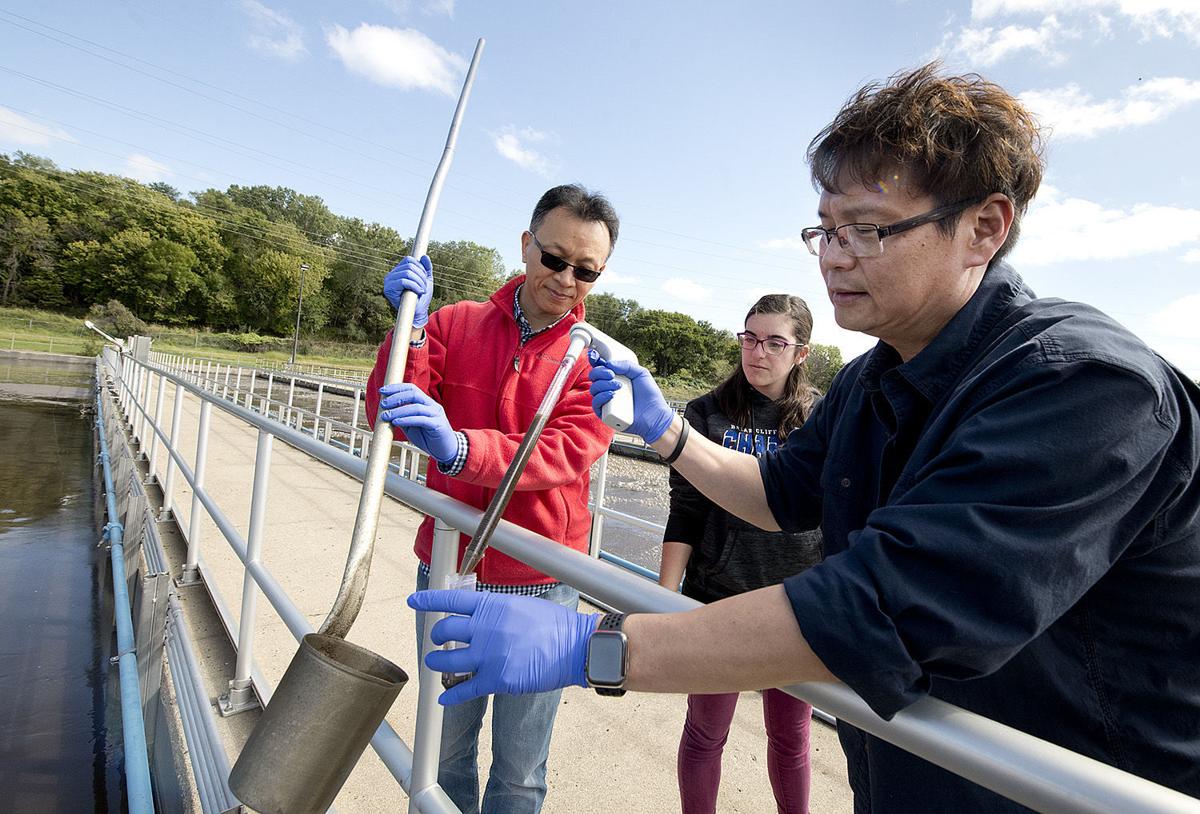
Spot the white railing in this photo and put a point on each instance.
(239, 384)
(1032, 772)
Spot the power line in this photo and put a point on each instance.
(285, 112)
(720, 278)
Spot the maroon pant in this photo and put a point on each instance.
(704, 736)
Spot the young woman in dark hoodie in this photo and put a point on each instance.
(718, 555)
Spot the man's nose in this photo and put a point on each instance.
(835, 256)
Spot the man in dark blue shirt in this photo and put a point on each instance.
(1006, 485)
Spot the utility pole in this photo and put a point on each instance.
(299, 304)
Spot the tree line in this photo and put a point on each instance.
(235, 260)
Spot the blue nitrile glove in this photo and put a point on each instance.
(409, 275)
(423, 420)
(515, 644)
(651, 413)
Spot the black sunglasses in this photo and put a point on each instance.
(557, 264)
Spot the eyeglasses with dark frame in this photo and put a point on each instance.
(557, 264)
(866, 239)
(772, 346)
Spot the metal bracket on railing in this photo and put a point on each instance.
(239, 698)
(106, 532)
(188, 578)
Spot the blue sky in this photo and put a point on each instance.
(692, 117)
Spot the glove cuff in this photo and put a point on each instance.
(585, 625)
(656, 430)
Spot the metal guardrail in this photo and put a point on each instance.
(1032, 772)
(215, 376)
(345, 374)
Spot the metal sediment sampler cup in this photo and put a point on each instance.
(335, 694)
(321, 718)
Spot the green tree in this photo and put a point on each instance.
(824, 361)
(362, 255)
(612, 315)
(463, 270)
(26, 250)
(308, 213)
(166, 189)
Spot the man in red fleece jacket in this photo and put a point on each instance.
(475, 375)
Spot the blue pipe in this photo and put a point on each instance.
(137, 764)
(629, 566)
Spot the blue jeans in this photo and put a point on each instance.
(521, 727)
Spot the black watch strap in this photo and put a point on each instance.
(610, 621)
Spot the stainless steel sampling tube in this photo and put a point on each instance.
(362, 544)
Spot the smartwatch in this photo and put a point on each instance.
(607, 651)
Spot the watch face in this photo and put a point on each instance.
(606, 659)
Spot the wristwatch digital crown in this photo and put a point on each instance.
(607, 651)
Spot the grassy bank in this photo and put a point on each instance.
(28, 329)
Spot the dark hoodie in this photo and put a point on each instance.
(729, 555)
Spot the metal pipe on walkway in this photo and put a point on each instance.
(172, 442)
(189, 569)
(428, 739)
(137, 765)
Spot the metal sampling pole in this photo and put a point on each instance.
(366, 524)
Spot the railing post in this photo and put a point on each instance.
(270, 385)
(250, 394)
(225, 386)
(291, 395)
(317, 419)
(119, 369)
(240, 696)
(158, 402)
(598, 510)
(172, 446)
(237, 384)
(144, 412)
(191, 571)
(354, 419)
(427, 741)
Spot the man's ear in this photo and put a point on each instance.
(525, 241)
(988, 227)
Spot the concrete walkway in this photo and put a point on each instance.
(608, 755)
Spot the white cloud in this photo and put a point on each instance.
(987, 46)
(146, 169)
(439, 7)
(1059, 229)
(680, 289)
(25, 132)
(1192, 257)
(274, 34)
(1158, 18)
(1071, 113)
(513, 144)
(398, 57)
